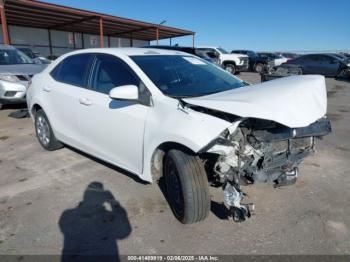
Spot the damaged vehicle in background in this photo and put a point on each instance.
(16, 69)
(170, 116)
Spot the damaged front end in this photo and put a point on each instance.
(259, 151)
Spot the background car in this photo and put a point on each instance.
(190, 50)
(16, 69)
(323, 64)
(256, 62)
(34, 55)
(288, 55)
(278, 59)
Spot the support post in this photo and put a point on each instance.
(82, 41)
(5, 32)
(157, 35)
(170, 41)
(101, 33)
(50, 40)
(193, 39)
(131, 40)
(74, 44)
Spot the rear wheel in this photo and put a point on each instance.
(344, 73)
(44, 132)
(259, 67)
(230, 68)
(0, 106)
(186, 186)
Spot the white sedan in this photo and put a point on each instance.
(164, 114)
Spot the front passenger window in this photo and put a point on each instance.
(110, 72)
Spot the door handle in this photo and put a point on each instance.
(46, 89)
(85, 101)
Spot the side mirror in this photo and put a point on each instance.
(127, 92)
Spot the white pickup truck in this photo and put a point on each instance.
(233, 63)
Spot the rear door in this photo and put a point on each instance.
(113, 129)
(61, 96)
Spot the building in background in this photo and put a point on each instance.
(54, 29)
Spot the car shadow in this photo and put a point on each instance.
(92, 228)
(115, 168)
(219, 210)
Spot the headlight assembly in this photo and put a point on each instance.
(9, 78)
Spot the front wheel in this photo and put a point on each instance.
(44, 132)
(230, 68)
(186, 186)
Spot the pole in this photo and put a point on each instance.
(101, 33)
(50, 40)
(193, 39)
(5, 32)
(157, 35)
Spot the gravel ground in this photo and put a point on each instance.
(52, 200)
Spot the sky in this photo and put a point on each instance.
(260, 25)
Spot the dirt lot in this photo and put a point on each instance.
(45, 204)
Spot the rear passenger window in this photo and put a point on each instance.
(110, 72)
(73, 70)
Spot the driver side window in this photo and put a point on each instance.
(110, 72)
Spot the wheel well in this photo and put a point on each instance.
(228, 63)
(35, 108)
(158, 157)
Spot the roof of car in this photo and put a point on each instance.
(130, 51)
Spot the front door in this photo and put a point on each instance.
(113, 129)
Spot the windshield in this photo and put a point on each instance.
(222, 51)
(13, 57)
(186, 76)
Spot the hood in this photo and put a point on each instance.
(22, 69)
(295, 101)
(231, 56)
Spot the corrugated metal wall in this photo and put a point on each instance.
(62, 42)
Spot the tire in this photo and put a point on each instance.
(231, 68)
(344, 73)
(44, 132)
(187, 186)
(1, 106)
(259, 67)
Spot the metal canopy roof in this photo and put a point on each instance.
(51, 16)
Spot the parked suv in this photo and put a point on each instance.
(16, 69)
(233, 63)
(256, 63)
